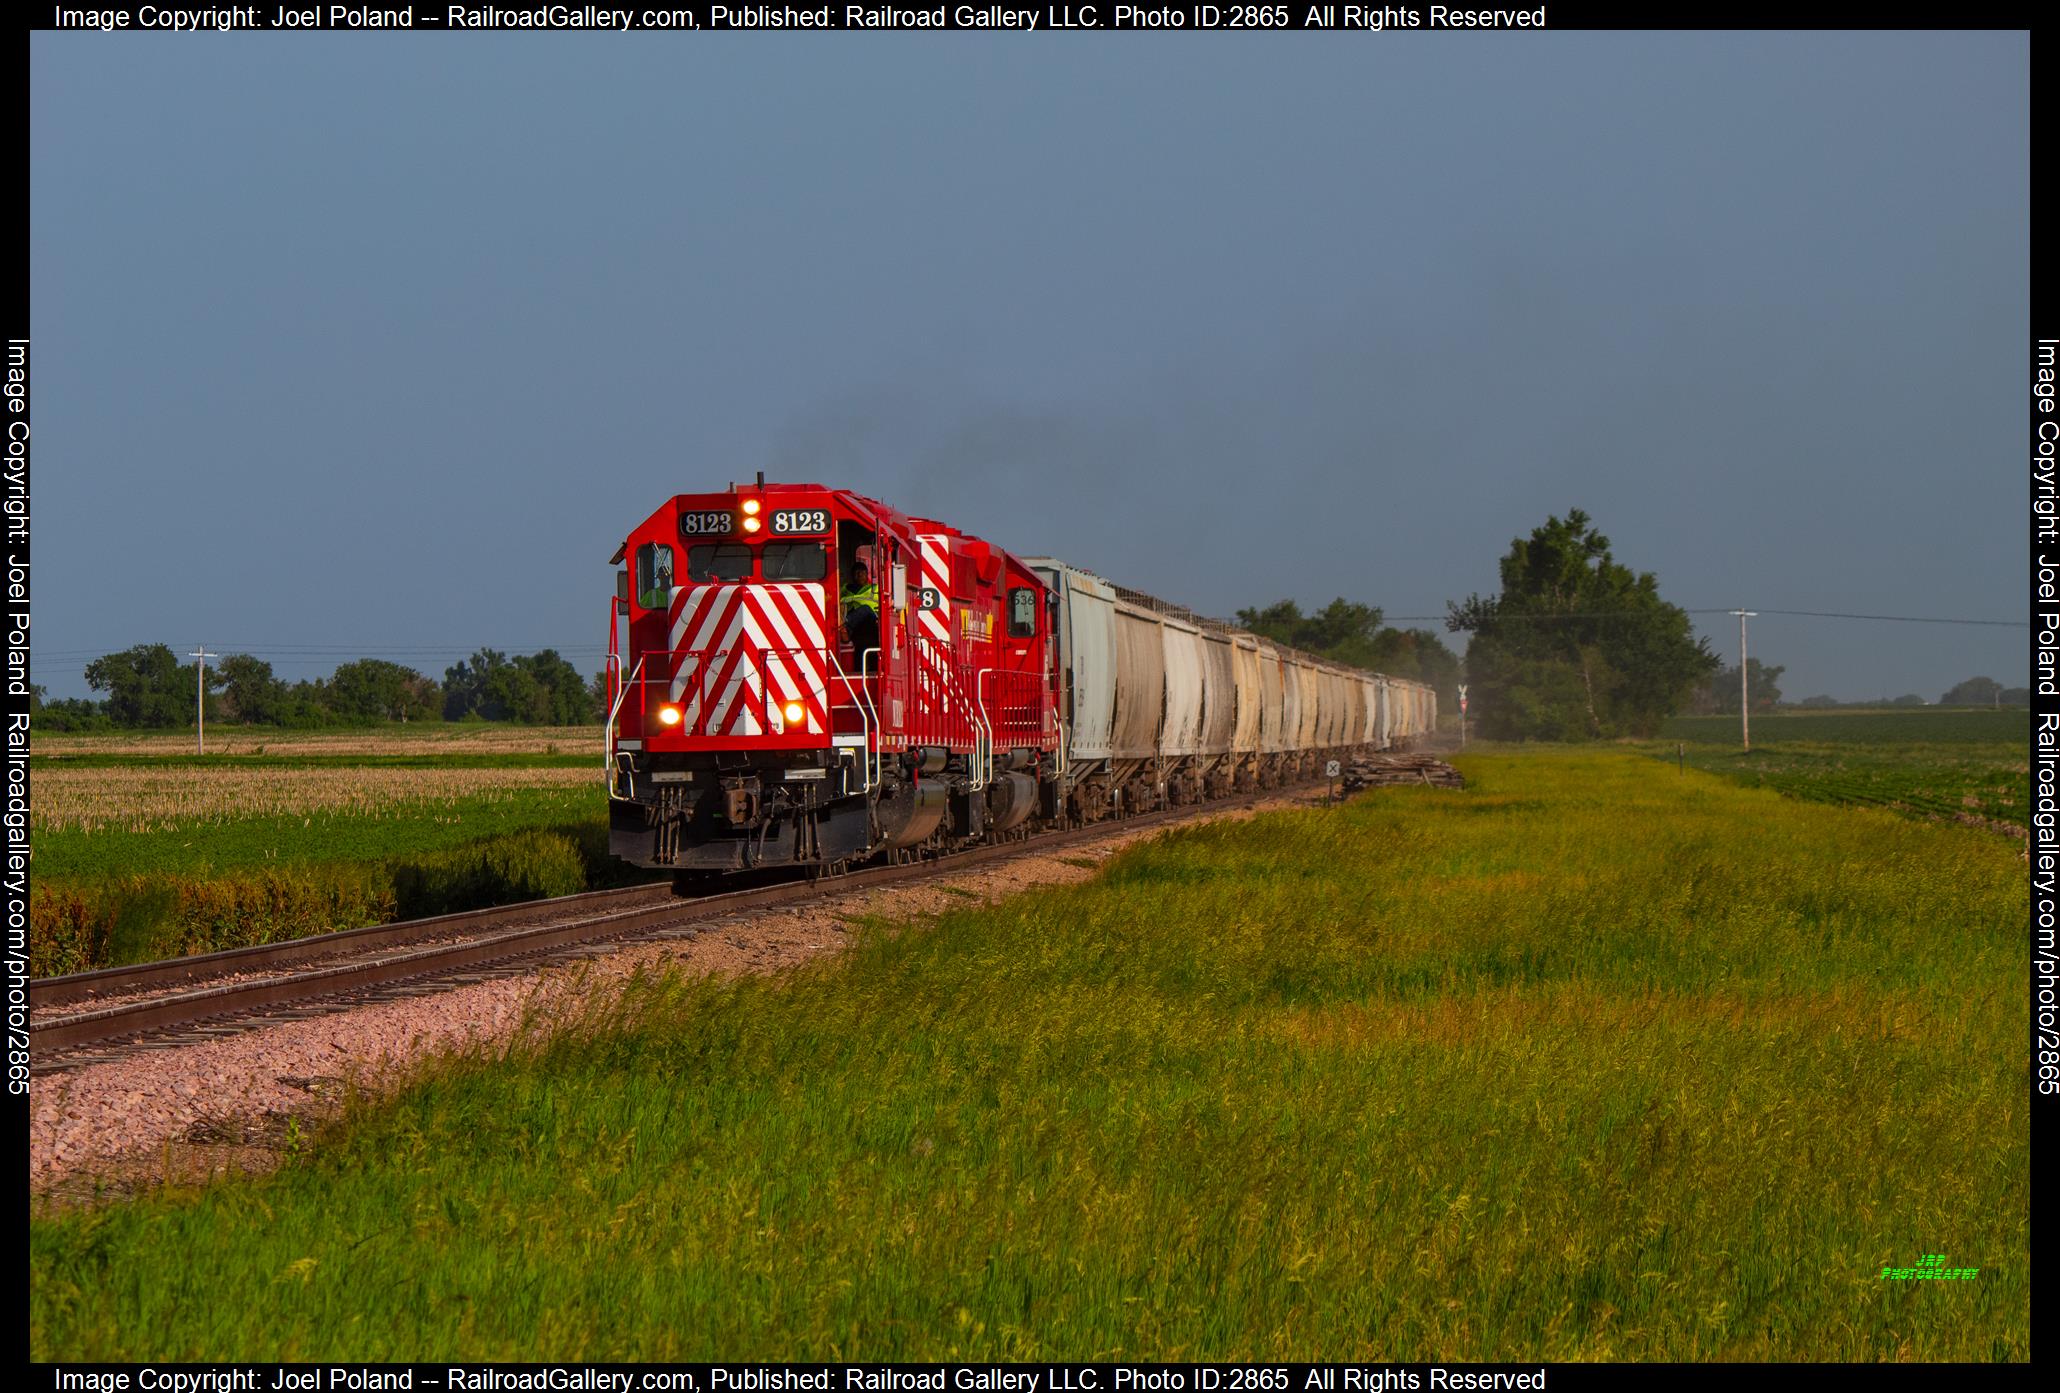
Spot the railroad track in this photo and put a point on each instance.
(162, 1005)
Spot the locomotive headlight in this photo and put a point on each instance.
(751, 524)
(751, 507)
(795, 711)
(668, 715)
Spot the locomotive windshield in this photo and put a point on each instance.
(718, 561)
(796, 561)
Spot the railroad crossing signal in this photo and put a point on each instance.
(1462, 696)
(1332, 769)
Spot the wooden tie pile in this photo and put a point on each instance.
(1378, 771)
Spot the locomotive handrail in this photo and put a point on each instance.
(877, 751)
(611, 672)
(983, 733)
(621, 696)
(1050, 699)
(866, 715)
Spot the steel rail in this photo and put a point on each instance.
(162, 1014)
(118, 981)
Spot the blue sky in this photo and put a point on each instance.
(365, 345)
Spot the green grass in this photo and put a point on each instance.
(1590, 1060)
(75, 926)
(199, 848)
(1953, 765)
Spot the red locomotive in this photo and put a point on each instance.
(813, 678)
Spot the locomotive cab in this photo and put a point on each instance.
(858, 603)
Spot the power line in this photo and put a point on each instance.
(1641, 613)
(1893, 618)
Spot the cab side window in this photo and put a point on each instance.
(654, 575)
(1023, 613)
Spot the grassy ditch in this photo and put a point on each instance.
(1590, 1060)
(110, 920)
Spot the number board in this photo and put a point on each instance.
(800, 522)
(706, 524)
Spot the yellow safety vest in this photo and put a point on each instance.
(868, 598)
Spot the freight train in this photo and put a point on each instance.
(802, 676)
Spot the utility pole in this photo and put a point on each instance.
(1744, 688)
(200, 695)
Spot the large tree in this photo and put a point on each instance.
(1576, 646)
(562, 698)
(256, 697)
(538, 688)
(465, 684)
(372, 689)
(1975, 691)
(146, 686)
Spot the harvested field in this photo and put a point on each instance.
(130, 800)
(432, 738)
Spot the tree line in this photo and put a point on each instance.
(147, 687)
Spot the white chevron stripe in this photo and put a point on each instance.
(742, 681)
(703, 605)
(806, 602)
(769, 611)
(699, 615)
(714, 613)
(744, 620)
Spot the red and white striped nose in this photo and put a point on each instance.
(750, 658)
